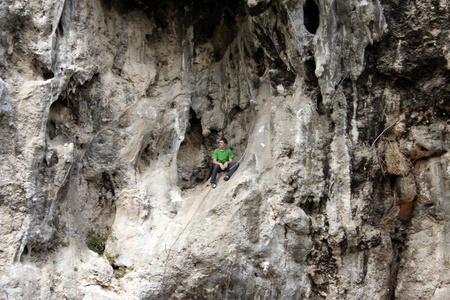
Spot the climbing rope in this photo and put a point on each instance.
(188, 223)
(196, 210)
(237, 164)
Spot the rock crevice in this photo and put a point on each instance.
(336, 110)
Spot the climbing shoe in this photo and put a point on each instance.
(214, 185)
(226, 178)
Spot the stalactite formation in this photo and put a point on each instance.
(336, 110)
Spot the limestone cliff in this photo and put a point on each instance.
(337, 111)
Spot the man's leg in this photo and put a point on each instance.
(233, 167)
(216, 169)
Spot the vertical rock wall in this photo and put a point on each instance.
(336, 110)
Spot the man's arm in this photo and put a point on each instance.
(226, 164)
(230, 158)
(215, 162)
(222, 166)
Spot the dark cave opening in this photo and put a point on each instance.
(48, 75)
(280, 75)
(311, 16)
(259, 60)
(59, 117)
(310, 70)
(217, 22)
(213, 21)
(194, 155)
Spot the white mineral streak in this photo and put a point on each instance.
(109, 116)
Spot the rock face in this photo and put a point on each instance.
(336, 110)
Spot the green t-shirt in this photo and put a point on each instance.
(222, 156)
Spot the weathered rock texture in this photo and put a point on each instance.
(336, 109)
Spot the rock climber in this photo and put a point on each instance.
(223, 162)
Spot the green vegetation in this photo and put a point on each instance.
(65, 244)
(111, 258)
(97, 243)
(121, 271)
(405, 103)
(390, 152)
(75, 269)
(97, 240)
(130, 80)
(310, 199)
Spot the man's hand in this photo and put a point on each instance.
(225, 166)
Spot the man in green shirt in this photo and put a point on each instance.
(223, 161)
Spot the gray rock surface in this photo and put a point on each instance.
(336, 110)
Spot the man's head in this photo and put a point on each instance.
(222, 143)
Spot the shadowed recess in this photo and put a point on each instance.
(311, 16)
(216, 22)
